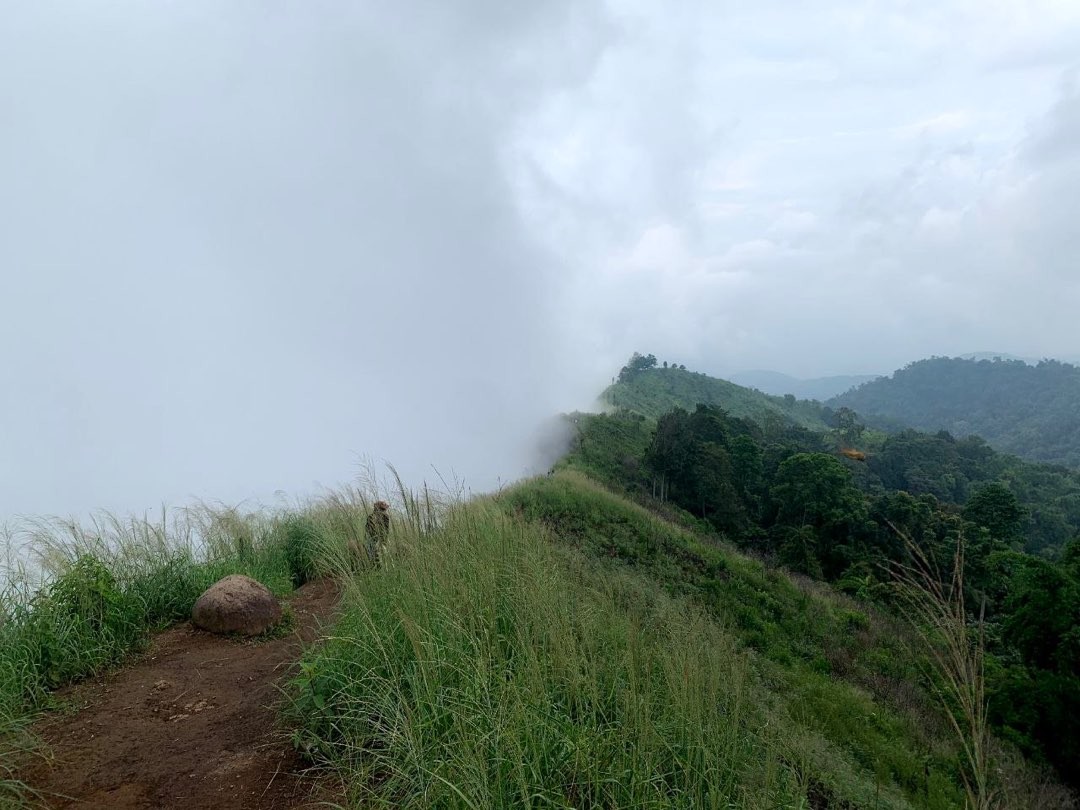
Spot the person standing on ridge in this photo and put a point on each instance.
(377, 529)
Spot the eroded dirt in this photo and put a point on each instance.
(190, 724)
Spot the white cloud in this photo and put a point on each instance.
(940, 223)
(888, 176)
(946, 123)
(238, 246)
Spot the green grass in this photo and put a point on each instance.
(846, 672)
(657, 391)
(107, 585)
(608, 447)
(553, 646)
(492, 663)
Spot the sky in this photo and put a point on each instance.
(248, 248)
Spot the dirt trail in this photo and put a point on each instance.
(190, 724)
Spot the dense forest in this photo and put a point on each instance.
(1030, 410)
(837, 505)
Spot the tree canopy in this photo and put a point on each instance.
(1029, 410)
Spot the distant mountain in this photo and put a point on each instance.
(653, 392)
(819, 388)
(1032, 411)
(1031, 361)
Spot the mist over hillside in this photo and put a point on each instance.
(819, 388)
(1031, 361)
(245, 246)
(848, 504)
(652, 390)
(265, 265)
(257, 264)
(1030, 410)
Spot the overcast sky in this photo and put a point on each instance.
(245, 244)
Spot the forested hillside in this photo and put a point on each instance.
(789, 496)
(1030, 410)
(838, 504)
(698, 610)
(652, 389)
(557, 645)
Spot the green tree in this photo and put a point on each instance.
(995, 508)
(815, 490)
(748, 470)
(1041, 612)
(849, 430)
(709, 486)
(637, 364)
(669, 454)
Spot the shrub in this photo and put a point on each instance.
(301, 540)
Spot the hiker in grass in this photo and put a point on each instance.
(377, 529)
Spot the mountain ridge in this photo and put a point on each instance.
(653, 391)
(777, 383)
(1032, 411)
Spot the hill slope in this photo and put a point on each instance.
(1032, 411)
(553, 645)
(792, 496)
(653, 392)
(819, 388)
(559, 646)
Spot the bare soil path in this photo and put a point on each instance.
(190, 724)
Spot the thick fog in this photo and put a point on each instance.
(246, 245)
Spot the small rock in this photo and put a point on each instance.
(236, 604)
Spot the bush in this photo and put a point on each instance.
(81, 623)
(301, 540)
(87, 592)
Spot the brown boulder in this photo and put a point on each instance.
(236, 604)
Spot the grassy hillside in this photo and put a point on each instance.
(793, 498)
(559, 646)
(655, 391)
(1032, 411)
(555, 645)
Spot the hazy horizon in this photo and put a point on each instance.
(246, 247)
(982, 354)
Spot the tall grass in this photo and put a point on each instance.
(956, 648)
(92, 592)
(553, 646)
(474, 672)
(486, 665)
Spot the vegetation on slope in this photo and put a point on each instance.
(938, 469)
(624, 657)
(559, 646)
(109, 585)
(491, 666)
(646, 388)
(555, 644)
(793, 498)
(1032, 411)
